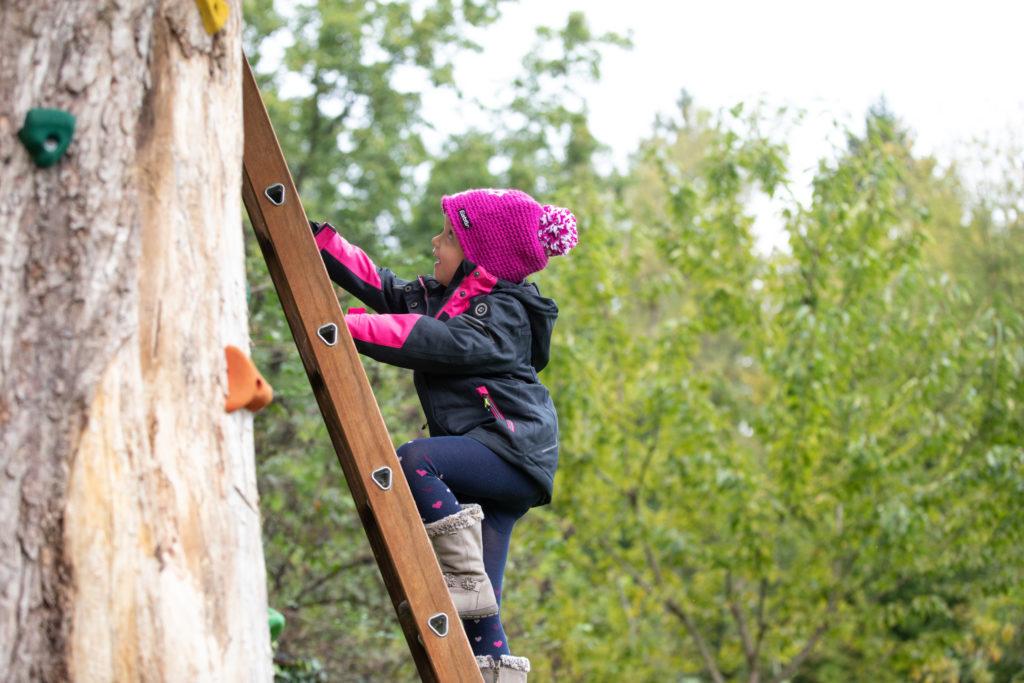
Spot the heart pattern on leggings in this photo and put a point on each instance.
(497, 643)
(422, 473)
(437, 505)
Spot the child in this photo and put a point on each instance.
(475, 334)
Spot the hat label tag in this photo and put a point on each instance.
(465, 219)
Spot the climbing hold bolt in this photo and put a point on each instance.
(47, 134)
(246, 387)
(214, 14)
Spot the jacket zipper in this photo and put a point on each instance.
(489, 405)
(476, 324)
(426, 297)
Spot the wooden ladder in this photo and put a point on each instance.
(386, 508)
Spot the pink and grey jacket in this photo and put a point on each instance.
(475, 348)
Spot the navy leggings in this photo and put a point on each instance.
(445, 472)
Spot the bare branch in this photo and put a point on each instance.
(358, 561)
(762, 625)
(741, 622)
(625, 566)
(794, 664)
(652, 562)
(673, 608)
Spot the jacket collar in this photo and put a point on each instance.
(470, 280)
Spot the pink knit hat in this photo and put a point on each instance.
(507, 232)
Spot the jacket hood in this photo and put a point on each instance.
(542, 313)
(540, 310)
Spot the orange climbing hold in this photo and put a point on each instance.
(246, 386)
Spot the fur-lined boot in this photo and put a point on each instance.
(507, 669)
(458, 544)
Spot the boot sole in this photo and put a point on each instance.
(479, 613)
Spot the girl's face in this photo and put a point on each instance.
(448, 253)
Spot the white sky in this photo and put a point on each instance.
(952, 71)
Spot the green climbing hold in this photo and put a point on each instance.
(276, 620)
(47, 134)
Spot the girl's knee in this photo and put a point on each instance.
(411, 456)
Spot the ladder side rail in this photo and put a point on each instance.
(360, 438)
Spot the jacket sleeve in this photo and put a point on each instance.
(465, 344)
(352, 269)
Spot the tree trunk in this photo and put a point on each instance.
(129, 528)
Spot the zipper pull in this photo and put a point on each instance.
(486, 396)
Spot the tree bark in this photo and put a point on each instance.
(129, 528)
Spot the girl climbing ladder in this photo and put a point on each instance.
(476, 334)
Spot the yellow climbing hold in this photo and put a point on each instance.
(214, 13)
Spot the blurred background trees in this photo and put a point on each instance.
(803, 465)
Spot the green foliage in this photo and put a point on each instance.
(804, 466)
(298, 670)
(794, 466)
(351, 134)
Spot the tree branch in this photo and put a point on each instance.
(762, 626)
(741, 625)
(652, 562)
(358, 561)
(673, 608)
(839, 570)
(799, 658)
